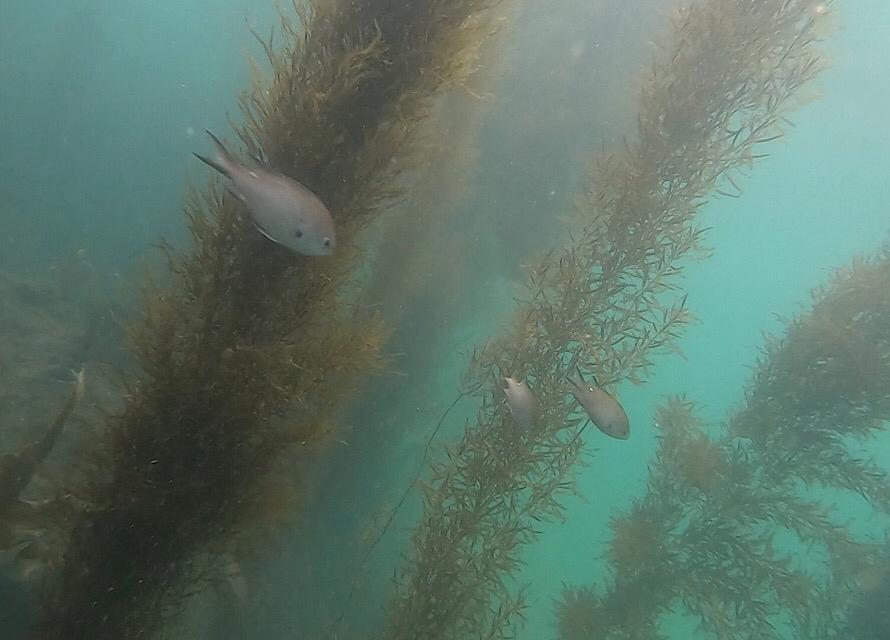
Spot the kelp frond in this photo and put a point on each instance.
(824, 384)
(607, 303)
(723, 550)
(251, 348)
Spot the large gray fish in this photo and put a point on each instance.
(283, 210)
(521, 402)
(603, 410)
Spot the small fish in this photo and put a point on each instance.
(603, 410)
(522, 404)
(282, 209)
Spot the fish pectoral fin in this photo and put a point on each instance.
(261, 230)
(258, 162)
(236, 194)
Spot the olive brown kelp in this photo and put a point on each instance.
(718, 533)
(249, 348)
(605, 303)
(867, 617)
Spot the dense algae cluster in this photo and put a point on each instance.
(715, 532)
(249, 348)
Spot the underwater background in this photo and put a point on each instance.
(103, 104)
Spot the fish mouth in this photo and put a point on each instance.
(619, 435)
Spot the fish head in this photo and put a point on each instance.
(311, 235)
(618, 429)
(513, 387)
(288, 213)
(521, 402)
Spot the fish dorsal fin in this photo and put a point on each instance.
(586, 383)
(576, 381)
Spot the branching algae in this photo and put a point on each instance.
(250, 347)
(607, 303)
(716, 532)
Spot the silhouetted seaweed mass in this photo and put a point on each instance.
(249, 347)
(607, 302)
(714, 535)
(868, 617)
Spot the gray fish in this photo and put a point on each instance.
(522, 404)
(283, 210)
(603, 410)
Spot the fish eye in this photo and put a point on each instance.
(298, 233)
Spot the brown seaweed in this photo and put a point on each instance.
(607, 302)
(249, 348)
(723, 512)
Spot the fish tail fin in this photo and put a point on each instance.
(222, 161)
(575, 379)
(592, 377)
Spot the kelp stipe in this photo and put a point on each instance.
(604, 302)
(718, 533)
(250, 348)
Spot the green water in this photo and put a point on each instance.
(103, 104)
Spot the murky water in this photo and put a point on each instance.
(685, 202)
